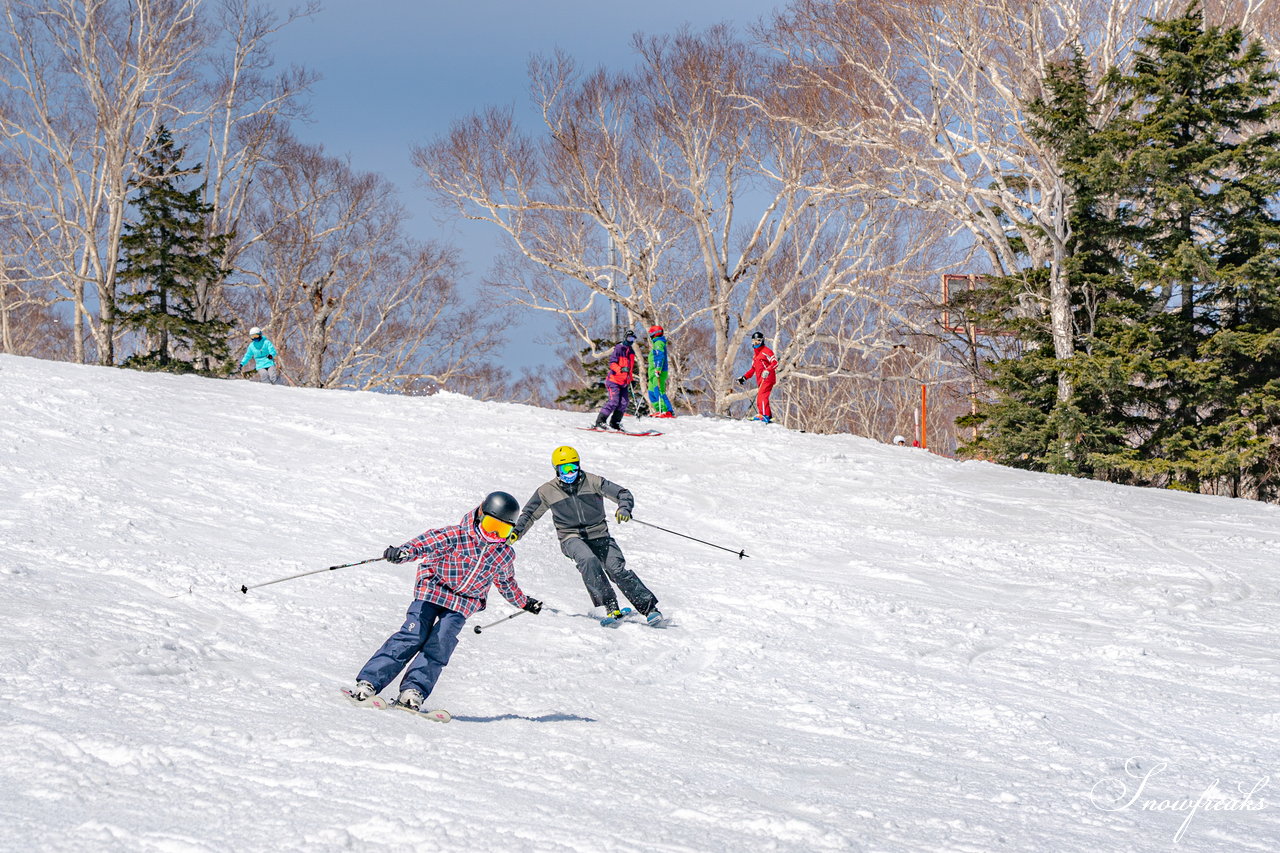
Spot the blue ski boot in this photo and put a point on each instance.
(612, 618)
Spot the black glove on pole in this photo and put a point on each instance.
(740, 553)
(533, 605)
(245, 589)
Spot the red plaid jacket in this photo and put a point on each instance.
(458, 566)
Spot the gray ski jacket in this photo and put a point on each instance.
(577, 508)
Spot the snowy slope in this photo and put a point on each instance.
(919, 654)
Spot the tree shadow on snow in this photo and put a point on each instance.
(545, 718)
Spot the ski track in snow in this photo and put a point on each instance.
(918, 654)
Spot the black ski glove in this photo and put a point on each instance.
(742, 380)
(395, 554)
(623, 514)
(533, 605)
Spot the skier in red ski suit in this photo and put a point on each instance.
(764, 367)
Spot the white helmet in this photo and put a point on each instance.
(254, 332)
(897, 439)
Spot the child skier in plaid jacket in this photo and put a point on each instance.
(459, 563)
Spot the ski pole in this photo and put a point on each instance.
(480, 628)
(245, 589)
(740, 553)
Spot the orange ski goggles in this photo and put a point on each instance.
(494, 529)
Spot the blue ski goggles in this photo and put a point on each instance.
(568, 472)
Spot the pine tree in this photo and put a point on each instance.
(1024, 425)
(596, 368)
(166, 255)
(1174, 270)
(1198, 169)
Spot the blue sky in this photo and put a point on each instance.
(397, 72)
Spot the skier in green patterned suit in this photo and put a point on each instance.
(657, 374)
(576, 500)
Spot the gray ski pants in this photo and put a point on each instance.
(601, 561)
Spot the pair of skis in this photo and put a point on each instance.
(613, 620)
(438, 715)
(647, 432)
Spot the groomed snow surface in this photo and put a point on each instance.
(918, 655)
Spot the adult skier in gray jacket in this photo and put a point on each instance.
(576, 500)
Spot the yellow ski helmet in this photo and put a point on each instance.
(561, 455)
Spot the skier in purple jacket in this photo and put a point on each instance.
(459, 563)
(622, 369)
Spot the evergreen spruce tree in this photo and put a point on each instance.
(1197, 163)
(1024, 424)
(596, 367)
(1174, 271)
(165, 255)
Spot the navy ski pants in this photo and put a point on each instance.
(427, 638)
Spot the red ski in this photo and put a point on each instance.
(622, 431)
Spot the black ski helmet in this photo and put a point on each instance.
(501, 506)
(757, 338)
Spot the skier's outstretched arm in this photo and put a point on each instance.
(425, 543)
(533, 510)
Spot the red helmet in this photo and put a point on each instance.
(654, 331)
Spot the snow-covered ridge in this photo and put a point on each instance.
(919, 654)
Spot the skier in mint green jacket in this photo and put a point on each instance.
(264, 356)
(657, 374)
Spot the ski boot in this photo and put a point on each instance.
(410, 700)
(613, 617)
(365, 694)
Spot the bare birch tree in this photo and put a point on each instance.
(28, 326)
(582, 204)
(656, 191)
(937, 89)
(85, 83)
(243, 108)
(354, 303)
(1258, 18)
